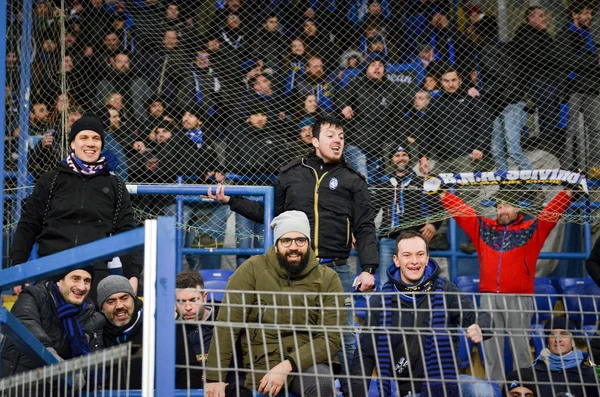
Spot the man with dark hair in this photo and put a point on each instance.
(415, 299)
(199, 85)
(459, 127)
(192, 340)
(582, 142)
(372, 103)
(539, 76)
(402, 200)
(270, 43)
(313, 81)
(336, 200)
(449, 44)
(120, 78)
(269, 356)
(61, 316)
(508, 249)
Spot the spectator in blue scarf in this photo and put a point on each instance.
(561, 367)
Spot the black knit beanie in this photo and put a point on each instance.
(89, 121)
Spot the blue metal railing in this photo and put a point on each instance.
(192, 193)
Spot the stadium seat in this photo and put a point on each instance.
(543, 281)
(215, 280)
(470, 285)
(582, 302)
(565, 282)
(544, 302)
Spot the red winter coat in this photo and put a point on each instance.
(507, 254)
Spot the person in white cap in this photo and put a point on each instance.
(277, 355)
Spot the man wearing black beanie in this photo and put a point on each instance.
(77, 203)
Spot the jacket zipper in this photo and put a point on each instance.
(316, 207)
(79, 220)
(347, 231)
(500, 260)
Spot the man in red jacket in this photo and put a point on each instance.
(508, 249)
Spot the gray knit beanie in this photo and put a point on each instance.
(290, 221)
(111, 285)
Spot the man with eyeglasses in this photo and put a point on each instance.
(290, 309)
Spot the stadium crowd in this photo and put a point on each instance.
(230, 91)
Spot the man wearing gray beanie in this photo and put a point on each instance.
(289, 266)
(124, 320)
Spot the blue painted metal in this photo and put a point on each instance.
(73, 258)
(269, 206)
(165, 302)
(223, 251)
(24, 340)
(138, 393)
(25, 81)
(2, 110)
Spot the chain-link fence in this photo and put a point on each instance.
(227, 91)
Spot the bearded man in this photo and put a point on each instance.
(288, 289)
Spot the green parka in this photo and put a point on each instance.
(301, 318)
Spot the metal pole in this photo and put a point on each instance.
(2, 111)
(165, 302)
(25, 81)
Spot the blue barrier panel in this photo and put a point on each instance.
(186, 192)
(73, 258)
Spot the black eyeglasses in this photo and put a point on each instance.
(300, 241)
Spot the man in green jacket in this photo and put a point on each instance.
(290, 307)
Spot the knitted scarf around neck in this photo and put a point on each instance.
(439, 362)
(67, 313)
(83, 167)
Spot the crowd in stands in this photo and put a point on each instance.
(460, 97)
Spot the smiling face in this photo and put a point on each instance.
(190, 303)
(329, 146)
(87, 146)
(118, 309)
(75, 286)
(294, 257)
(190, 121)
(401, 160)
(310, 104)
(560, 342)
(411, 258)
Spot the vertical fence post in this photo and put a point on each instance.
(165, 308)
(269, 206)
(25, 81)
(149, 328)
(3, 27)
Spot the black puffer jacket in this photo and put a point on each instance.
(336, 200)
(36, 310)
(81, 210)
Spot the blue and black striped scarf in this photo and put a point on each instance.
(440, 367)
(68, 314)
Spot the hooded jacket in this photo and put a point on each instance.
(81, 209)
(508, 254)
(265, 347)
(36, 310)
(409, 315)
(334, 197)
